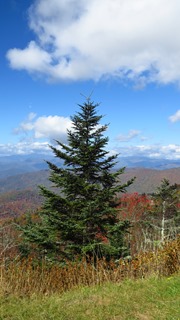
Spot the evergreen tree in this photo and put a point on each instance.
(166, 209)
(79, 216)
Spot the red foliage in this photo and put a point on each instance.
(133, 206)
(101, 237)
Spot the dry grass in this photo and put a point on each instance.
(25, 278)
(142, 299)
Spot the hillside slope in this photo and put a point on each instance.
(146, 181)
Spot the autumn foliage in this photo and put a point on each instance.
(134, 206)
(26, 277)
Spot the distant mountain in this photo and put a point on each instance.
(146, 181)
(21, 172)
(29, 180)
(20, 193)
(146, 162)
(20, 164)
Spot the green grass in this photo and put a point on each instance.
(146, 299)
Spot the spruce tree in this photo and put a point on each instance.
(166, 209)
(79, 216)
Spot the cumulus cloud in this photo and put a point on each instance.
(80, 39)
(48, 127)
(171, 151)
(24, 147)
(32, 58)
(175, 117)
(131, 135)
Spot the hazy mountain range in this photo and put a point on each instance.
(28, 171)
(20, 164)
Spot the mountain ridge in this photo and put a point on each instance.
(147, 179)
(21, 164)
(22, 172)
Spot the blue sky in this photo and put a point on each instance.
(126, 53)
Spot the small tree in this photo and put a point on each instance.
(79, 217)
(166, 207)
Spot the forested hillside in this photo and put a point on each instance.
(146, 180)
(16, 203)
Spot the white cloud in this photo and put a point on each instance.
(51, 127)
(32, 58)
(131, 135)
(171, 151)
(24, 147)
(175, 117)
(80, 39)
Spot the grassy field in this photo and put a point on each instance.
(142, 299)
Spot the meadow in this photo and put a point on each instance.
(146, 287)
(143, 299)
